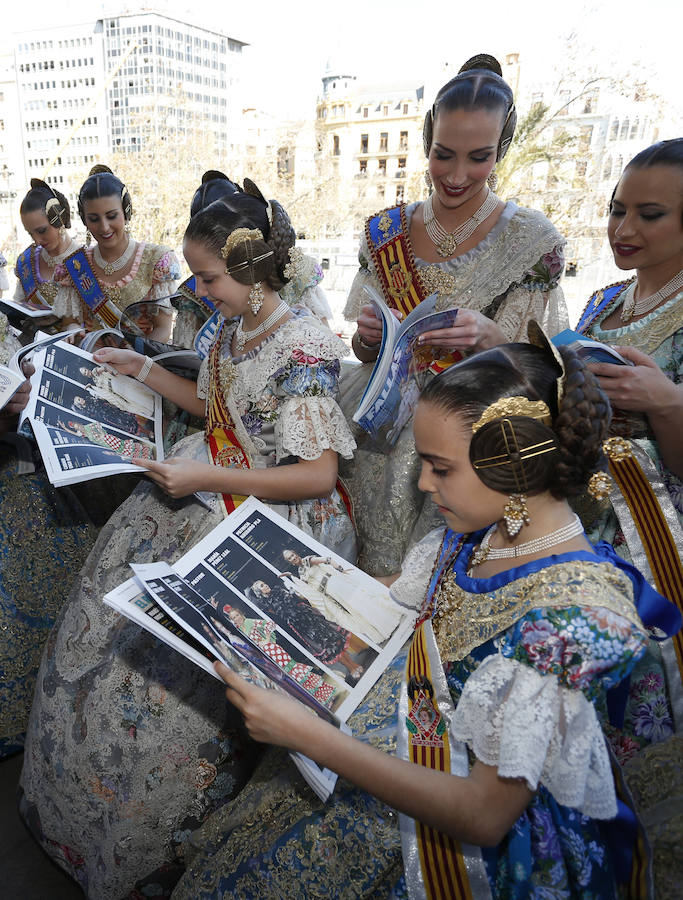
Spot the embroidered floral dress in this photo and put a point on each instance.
(511, 276)
(155, 273)
(45, 536)
(131, 746)
(525, 688)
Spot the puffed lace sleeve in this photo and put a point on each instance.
(410, 587)
(310, 419)
(528, 710)
(165, 276)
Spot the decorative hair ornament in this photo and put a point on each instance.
(599, 485)
(240, 236)
(54, 202)
(295, 266)
(538, 338)
(617, 449)
(514, 406)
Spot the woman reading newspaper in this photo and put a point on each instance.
(130, 746)
(498, 761)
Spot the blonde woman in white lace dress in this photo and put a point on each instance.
(130, 745)
(497, 263)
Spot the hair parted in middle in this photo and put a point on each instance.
(479, 84)
(249, 210)
(579, 419)
(46, 199)
(101, 182)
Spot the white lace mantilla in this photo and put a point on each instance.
(308, 425)
(530, 726)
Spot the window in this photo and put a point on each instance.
(335, 145)
(607, 168)
(399, 194)
(363, 143)
(366, 112)
(363, 166)
(384, 142)
(385, 110)
(403, 141)
(625, 125)
(382, 167)
(405, 109)
(614, 131)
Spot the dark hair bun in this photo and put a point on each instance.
(214, 175)
(482, 61)
(100, 169)
(45, 198)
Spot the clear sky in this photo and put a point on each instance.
(291, 42)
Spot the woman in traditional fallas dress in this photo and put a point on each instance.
(643, 516)
(97, 284)
(46, 216)
(130, 745)
(497, 263)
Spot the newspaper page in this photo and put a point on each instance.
(259, 590)
(88, 420)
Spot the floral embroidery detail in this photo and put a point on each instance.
(547, 270)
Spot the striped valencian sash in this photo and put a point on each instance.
(402, 286)
(437, 867)
(224, 445)
(653, 534)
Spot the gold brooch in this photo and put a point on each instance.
(617, 449)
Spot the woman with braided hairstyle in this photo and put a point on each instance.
(497, 263)
(130, 745)
(503, 778)
(46, 216)
(97, 284)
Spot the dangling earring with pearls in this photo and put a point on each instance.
(492, 180)
(515, 514)
(88, 238)
(256, 298)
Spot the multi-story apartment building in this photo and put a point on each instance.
(83, 91)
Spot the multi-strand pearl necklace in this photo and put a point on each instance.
(446, 242)
(484, 551)
(633, 307)
(110, 267)
(53, 261)
(242, 336)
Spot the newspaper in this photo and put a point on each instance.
(278, 607)
(88, 420)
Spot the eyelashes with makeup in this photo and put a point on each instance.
(474, 159)
(648, 217)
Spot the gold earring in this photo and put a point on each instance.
(428, 181)
(126, 227)
(256, 298)
(492, 180)
(515, 514)
(88, 238)
(62, 233)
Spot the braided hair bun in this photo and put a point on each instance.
(482, 61)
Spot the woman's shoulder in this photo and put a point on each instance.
(535, 222)
(310, 342)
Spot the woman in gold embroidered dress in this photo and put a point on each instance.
(127, 270)
(498, 263)
(522, 627)
(131, 746)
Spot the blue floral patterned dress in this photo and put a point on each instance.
(130, 746)
(525, 700)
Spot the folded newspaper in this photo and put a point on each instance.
(402, 367)
(279, 608)
(88, 420)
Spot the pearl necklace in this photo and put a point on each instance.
(446, 242)
(242, 336)
(53, 261)
(484, 551)
(110, 267)
(633, 307)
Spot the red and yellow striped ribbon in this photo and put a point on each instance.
(443, 867)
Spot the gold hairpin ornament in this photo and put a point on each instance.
(514, 406)
(240, 236)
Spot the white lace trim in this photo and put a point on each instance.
(203, 380)
(68, 303)
(532, 727)
(410, 587)
(308, 425)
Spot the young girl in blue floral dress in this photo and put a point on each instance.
(503, 781)
(131, 746)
